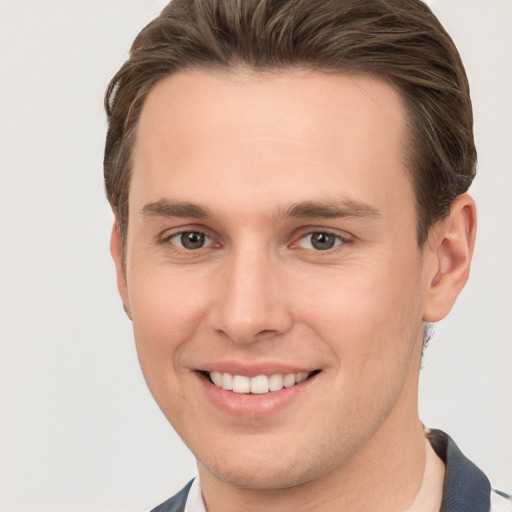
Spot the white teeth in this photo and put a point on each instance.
(257, 385)
(260, 384)
(276, 382)
(227, 381)
(216, 378)
(241, 384)
(289, 380)
(300, 377)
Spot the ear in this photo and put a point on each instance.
(451, 244)
(116, 250)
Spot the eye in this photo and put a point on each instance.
(190, 240)
(320, 241)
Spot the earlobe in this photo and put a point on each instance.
(451, 243)
(116, 250)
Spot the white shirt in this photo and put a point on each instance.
(195, 501)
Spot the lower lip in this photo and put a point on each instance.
(254, 405)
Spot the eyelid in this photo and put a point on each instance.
(210, 240)
(343, 238)
(168, 235)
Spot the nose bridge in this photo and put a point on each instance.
(251, 304)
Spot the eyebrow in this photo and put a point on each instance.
(330, 210)
(302, 210)
(169, 208)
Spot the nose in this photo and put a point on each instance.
(251, 304)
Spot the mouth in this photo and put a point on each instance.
(259, 384)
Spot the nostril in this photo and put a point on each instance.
(266, 332)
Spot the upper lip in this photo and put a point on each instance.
(254, 369)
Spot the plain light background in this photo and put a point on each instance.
(78, 428)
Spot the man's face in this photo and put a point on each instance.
(272, 231)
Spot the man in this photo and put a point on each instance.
(289, 180)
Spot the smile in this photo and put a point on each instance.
(259, 385)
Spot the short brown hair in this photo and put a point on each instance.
(400, 41)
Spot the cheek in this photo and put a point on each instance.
(366, 313)
(165, 313)
(372, 327)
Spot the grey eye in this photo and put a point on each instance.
(189, 240)
(192, 240)
(320, 241)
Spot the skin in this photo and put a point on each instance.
(252, 153)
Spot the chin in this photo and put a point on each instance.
(252, 477)
(270, 468)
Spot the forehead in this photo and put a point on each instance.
(253, 134)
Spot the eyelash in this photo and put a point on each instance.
(168, 239)
(338, 240)
(178, 246)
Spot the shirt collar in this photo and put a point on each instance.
(466, 488)
(195, 501)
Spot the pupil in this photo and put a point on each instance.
(192, 240)
(322, 241)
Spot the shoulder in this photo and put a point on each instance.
(176, 503)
